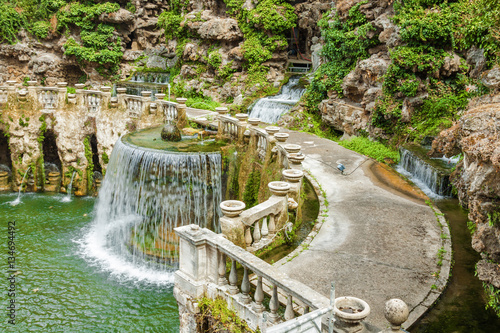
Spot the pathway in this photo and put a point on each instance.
(376, 243)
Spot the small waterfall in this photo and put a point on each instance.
(270, 109)
(67, 198)
(157, 83)
(431, 180)
(145, 194)
(18, 199)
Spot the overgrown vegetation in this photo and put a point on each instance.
(215, 316)
(374, 149)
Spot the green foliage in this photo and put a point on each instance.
(10, 22)
(105, 158)
(346, 42)
(171, 22)
(202, 102)
(274, 16)
(374, 149)
(71, 90)
(130, 7)
(41, 29)
(216, 312)
(251, 193)
(493, 218)
(493, 298)
(214, 59)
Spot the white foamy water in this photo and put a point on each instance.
(270, 109)
(145, 194)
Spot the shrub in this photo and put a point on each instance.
(374, 149)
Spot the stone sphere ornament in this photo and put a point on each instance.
(396, 312)
(170, 132)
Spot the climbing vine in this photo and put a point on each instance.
(90, 163)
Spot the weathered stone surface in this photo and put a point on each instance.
(343, 115)
(170, 132)
(488, 272)
(122, 16)
(476, 60)
(451, 65)
(491, 78)
(155, 61)
(221, 29)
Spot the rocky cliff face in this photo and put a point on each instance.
(477, 177)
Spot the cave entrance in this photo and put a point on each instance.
(297, 44)
(5, 159)
(74, 75)
(50, 153)
(95, 154)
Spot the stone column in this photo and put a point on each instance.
(231, 224)
(220, 127)
(181, 112)
(61, 94)
(120, 94)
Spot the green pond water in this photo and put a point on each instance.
(461, 308)
(151, 138)
(58, 289)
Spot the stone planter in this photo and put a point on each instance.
(160, 96)
(296, 158)
(241, 116)
(182, 100)
(281, 137)
(278, 188)
(71, 96)
(254, 121)
(146, 93)
(105, 89)
(350, 312)
(120, 91)
(220, 110)
(271, 130)
(291, 148)
(232, 208)
(62, 84)
(292, 175)
(79, 86)
(22, 94)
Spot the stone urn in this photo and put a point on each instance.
(271, 130)
(221, 110)
(170, 132)
(281, 137)
(296, 158)
(349, 313)
(241, 116)
(120, 91)
(292, 148)
(254, 121)
(232, 208)
(292, 175)
(278, 188)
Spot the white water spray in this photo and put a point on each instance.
(270, 109)
(67, 198)
(18, 199)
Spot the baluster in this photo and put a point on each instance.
(256, 232)
(248, 236)
(222, 269)
(289, 314)
(264, 231)
(274, 305)
(233, 279)
(272, 226)
(259, 296)
(245, 287)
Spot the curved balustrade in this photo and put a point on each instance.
(52, 99)
(204, 256)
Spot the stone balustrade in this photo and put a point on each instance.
(204, 256)
(204, 259)
(52, 99)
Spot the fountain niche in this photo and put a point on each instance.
(151, 187)
(5, 163)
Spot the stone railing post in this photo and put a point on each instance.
(11, 87)
(105, 97)
(280, 190)
(120, 94)
(80, 103)
(242, 125)
(295, 157)
(230, 223)
(220, 126)
(32, 93)
(146, 101)
(193, 261)
(61, 92)
(181, 112)
(294, 178)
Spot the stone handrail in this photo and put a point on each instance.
(52, 99)
(230, 126)
(202, 271)
(261, 142)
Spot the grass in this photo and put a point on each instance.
(202, 103)
(373, 149)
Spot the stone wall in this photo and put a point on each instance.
(29, 116)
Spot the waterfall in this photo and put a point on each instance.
(145, 194)
(18, 199)
(270, 109)
(67, 198)
(431, 180)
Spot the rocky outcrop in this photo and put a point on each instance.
(477, 177)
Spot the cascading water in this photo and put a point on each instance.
(18, 199)
(67, 198)
(139, 82)
(145, 194)
(431, 180)
(270, 109)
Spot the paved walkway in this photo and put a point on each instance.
(377, 243)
